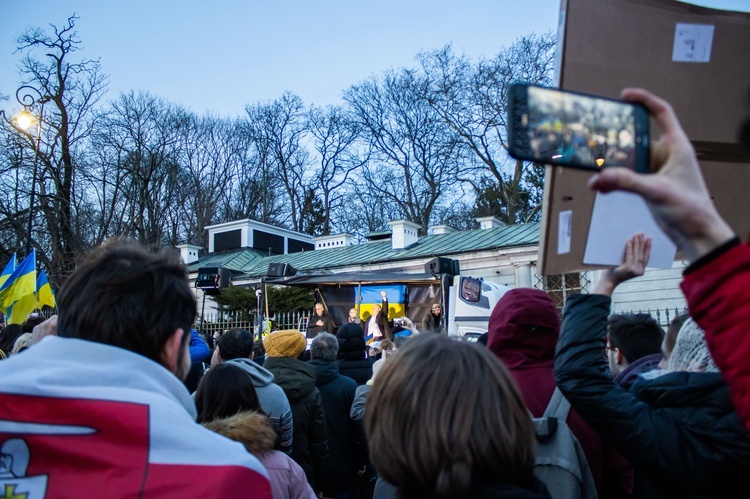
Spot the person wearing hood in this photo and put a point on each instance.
(236, 346)
(353, 361)
(522, 332)
(347, 447)
(297, 379)
(228, 404)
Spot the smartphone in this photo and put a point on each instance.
(564, 128)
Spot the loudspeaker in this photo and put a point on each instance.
(441, 265)
(280, 270)
(212, 279)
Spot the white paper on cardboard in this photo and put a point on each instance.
(692, 42)
(564, 229)
(617, 217)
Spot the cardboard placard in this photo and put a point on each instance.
(696, 58)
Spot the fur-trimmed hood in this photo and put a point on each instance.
(252, 429)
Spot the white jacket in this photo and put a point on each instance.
(79, 418)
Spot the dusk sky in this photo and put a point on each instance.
(222, 54)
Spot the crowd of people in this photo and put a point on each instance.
(98, 399)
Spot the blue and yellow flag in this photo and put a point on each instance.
(22, 282)
(8, 270)
(371, 296)
(44, 293)
(21, 308)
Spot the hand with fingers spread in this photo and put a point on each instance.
(637, 253)
(675, 193)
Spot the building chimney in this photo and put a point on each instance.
(405, 233)
(489, 222)
(334, 241)
(189, 253)
(442, 229)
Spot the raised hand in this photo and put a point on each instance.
(635, 259)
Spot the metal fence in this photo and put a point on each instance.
(662, 315)
(224, 321)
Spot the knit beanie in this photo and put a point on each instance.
(690, 353)
(285, 343)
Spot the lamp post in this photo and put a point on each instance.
(598, 153)
(30, 98)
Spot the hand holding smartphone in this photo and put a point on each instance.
(577, 130)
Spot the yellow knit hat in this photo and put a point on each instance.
(285, 343)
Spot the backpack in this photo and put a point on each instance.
(560, 462)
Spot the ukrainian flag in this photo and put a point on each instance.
(44, 293)
(8, 270)
(20, 283)
(396, 294)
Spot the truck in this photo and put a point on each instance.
(467, 300)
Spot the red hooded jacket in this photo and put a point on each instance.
(523, 331)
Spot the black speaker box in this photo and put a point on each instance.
(441, 265)
(212, 279)
(280, 270)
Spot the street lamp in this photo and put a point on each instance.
(598, 152)
(29, 97)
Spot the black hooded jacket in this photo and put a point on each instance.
(680, 430)
(347, 447)
(310, 441)
(353, 361)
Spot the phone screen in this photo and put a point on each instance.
(570, 129)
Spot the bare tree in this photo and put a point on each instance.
(278, 128)
(142, 182)
(211, 155)
(336, 138)
(69, 91)
(415, 154)
(472, 99)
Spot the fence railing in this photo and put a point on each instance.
(662, 315)
(213, 322)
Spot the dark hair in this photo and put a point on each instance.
(235, 344)
(436, 432)
(8, 337)
(674, 327)
(325, 346)
(31, 322)
(636, 335)
(351, 341)
(224, 391)
(125, 296)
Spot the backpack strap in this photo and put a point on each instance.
(558, 406)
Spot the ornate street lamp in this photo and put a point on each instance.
(598, 153)
(30, 98)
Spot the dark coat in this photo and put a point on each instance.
(679, 430)
(310, 444)
(347, 447)
(630, 374)
(353, 361)
(535, 490)
(328, 325)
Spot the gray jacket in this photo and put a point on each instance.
(272, 399)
